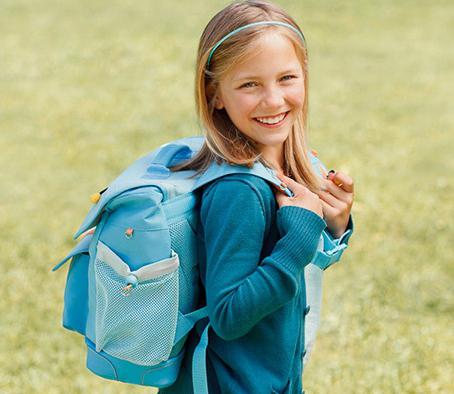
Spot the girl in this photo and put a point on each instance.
(251, 93)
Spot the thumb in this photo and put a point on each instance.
(284, 178)
(291, 182)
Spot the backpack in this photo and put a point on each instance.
(132, 288)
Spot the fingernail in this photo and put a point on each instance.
(330, 172)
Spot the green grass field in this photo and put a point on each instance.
(86, 87)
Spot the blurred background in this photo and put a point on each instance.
(87, 87)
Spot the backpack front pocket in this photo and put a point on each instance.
(136, 311)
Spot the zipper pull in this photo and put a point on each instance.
(131, 284)
(286, 190)
(281, 184)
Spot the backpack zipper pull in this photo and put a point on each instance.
(95, 197)
(126, 291)
(286, 190)
(131, 284)
(281, 185)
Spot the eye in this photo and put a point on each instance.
(248, 85)
(288, 77)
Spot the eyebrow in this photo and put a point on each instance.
(289, 71)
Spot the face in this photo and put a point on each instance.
(263, 94)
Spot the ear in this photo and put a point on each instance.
(218, 102)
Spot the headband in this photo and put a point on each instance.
(251, 25)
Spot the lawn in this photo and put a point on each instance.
(86, 87)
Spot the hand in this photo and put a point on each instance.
(337, 201)
(302, 198)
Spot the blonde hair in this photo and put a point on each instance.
(223, 141)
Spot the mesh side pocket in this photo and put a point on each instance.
(184, 242)
(135, 323)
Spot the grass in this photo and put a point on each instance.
(89, 86)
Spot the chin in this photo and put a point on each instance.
(277, 139)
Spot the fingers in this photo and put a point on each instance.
(336, 191)
(339, 184)
(341, 180)
(328, 210)
(281, 198)
(286, 179)
(335, 204)
(297, 188)
(329, 198)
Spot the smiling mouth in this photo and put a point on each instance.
(270, 121)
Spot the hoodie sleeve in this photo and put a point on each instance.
(241, 289)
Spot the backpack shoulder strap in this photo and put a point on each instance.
(216, 171)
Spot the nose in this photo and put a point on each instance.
(273, 98)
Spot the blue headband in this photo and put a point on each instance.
(251, 25)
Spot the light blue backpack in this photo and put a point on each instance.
(132, 288)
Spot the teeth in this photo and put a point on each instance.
(272, 120)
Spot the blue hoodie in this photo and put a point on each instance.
(252, 259)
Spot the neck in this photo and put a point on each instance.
(274, 157)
